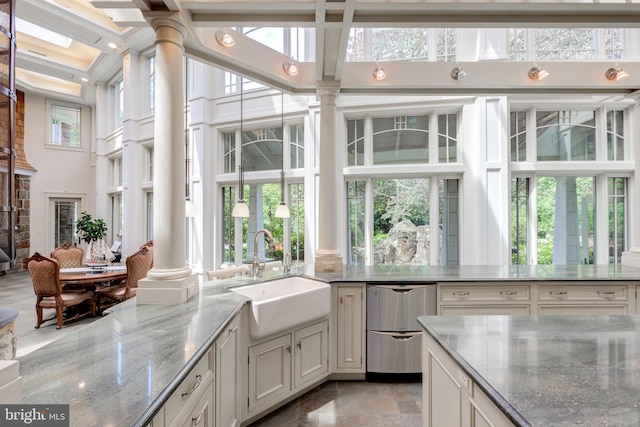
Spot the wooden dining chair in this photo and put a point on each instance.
(138, 265)
(68, 256)
(45, 275)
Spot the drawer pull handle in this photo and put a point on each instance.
(606, 294)
(233, 330)
(558, 294)
(288, 348)
(299, 345)
(195, 386)
(509, 294)
(460, 294)
(196, 420)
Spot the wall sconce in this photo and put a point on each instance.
(616, 74)
(225, 39)
(378, 73)
(537, 73)
(291, 68)
(458, 73)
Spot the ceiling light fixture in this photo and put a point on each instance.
(282, 211)
(225, 39)
(291, 68)
(537, 73)
(378, 73)
(458, 73)
(241, 210)
(112, 46)
(616, 73)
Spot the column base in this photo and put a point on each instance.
(168, 291)
(631, 258)
(328, 263)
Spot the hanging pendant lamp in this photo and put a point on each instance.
(282, 211)
(241, 210)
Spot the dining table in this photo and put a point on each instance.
(90, 277)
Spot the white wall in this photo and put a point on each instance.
(59, 172)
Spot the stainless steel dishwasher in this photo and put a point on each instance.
(393, 333)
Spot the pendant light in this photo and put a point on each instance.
(241, 210)
(282, 211)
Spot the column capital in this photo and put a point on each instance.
(167, 21)
(327, 91)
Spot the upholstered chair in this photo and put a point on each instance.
(45, 275)
(68, 256)
(138, 265)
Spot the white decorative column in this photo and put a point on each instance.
(328, 255)
(170, 281)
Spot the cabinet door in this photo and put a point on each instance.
(202, 414)
(350, 328)
(269, 372)
(311, 353)
(227, 379)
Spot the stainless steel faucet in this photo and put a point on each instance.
(256, 267)
(286, 263)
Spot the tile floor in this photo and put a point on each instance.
(335, 403)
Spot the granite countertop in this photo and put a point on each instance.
(550, 370)
(120, 369)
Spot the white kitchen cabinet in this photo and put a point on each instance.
(193, 400)
(227, 412)
(281, 366)
(350, 328)
(474, 299)
(311, 353)
(450, 397)
(594, 298)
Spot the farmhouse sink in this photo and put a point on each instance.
(283, 304)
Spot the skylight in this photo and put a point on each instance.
(41, 33)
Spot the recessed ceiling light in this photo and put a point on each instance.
(112, 46)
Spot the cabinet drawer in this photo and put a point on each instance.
(484, 293)
(583, 293)
(191, 386)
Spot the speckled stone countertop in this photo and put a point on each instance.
(481, 273)
(119, 370)
(550, 370)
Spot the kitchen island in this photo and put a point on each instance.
(122, 369)
(531, 370)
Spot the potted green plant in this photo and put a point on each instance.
(93, 231)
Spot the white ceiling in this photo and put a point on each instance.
(92, 24)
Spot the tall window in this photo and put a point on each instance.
(566, 44)
(617, 218)
(149, 216)
(615, 135)
(356, 215)
(116, 217)
(518, 136)
(117, 93)
(228, 225)
(519, 215)
(65, 125)
(566, 220)
(403, 139)
(355, 142)
(151, 74)
(402, 44)
(296, 208)
(229, 152)
(447, 138)
(65, 214)
(566, 135)
(296, 146)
